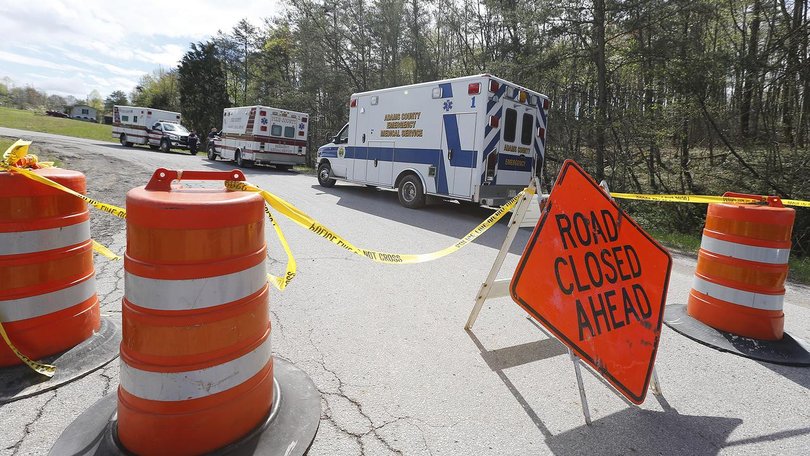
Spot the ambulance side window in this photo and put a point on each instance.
(526, 129)
(275, 130)
(343, 136)
(135, 119)
(124, 118)
(510, 124)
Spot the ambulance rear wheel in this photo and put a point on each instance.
(324, 171)
(411, 193)
(123, 138)
(212, 155)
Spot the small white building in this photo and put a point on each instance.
(82, 112)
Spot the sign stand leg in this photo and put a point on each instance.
(655, 385)
(518, 214)
(583, 400)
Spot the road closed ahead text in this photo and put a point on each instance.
(600, 273)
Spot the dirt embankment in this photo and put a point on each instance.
(108, 180)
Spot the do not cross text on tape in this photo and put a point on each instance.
(597, 281)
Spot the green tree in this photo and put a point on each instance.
(116, 98)
(203, 91)
(158, 90)
(95, 101)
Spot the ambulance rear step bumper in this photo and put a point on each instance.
(497, 195)
(269, 158)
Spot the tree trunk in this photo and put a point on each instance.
(751, 71)
(601, 86)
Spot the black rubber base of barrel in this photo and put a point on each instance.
(19, 382)
(789, 351)
(288, 429)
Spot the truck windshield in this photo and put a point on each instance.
(175, 128)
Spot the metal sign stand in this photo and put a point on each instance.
(655, 386)
(497, 288)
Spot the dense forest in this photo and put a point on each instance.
(662, 96)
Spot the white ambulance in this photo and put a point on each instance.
(262, 135)
(156, 128)
(475, 138)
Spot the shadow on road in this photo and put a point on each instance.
(798, 375)
(143, 148)
(633, 429)
(444, 217)
(640, 431)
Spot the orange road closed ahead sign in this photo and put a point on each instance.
(597, 281)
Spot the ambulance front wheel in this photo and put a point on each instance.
(411, 193)
(324, 171)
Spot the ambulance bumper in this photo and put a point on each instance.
(497, 195)
(271, 158)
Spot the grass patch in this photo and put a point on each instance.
(304, 169)
(29, 120)
(4, 143)
(687, 243)
(800, 270)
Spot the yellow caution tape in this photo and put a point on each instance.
(282, 282)
(100, 249)
(798, 203)
(108, 208)
(302, 219)
(41, 368)
(17, 155)
(701, 199)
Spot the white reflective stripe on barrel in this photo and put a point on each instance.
(40, 240)
(161, 294)
(181, 386)
(739, 297)
(44, 304)
(745, 252)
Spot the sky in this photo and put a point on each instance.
(66, 47)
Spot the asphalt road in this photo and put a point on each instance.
(387, 349)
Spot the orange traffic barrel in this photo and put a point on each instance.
(735, 303)
(48, 300)
(739, 283)
(196, 364)
(197, 374)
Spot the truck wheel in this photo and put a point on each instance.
(411, 194)
(212, 155)
(324, 171)
(123, 138)
(165, 146)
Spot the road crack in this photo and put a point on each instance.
(373, 430)
(15, 449)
